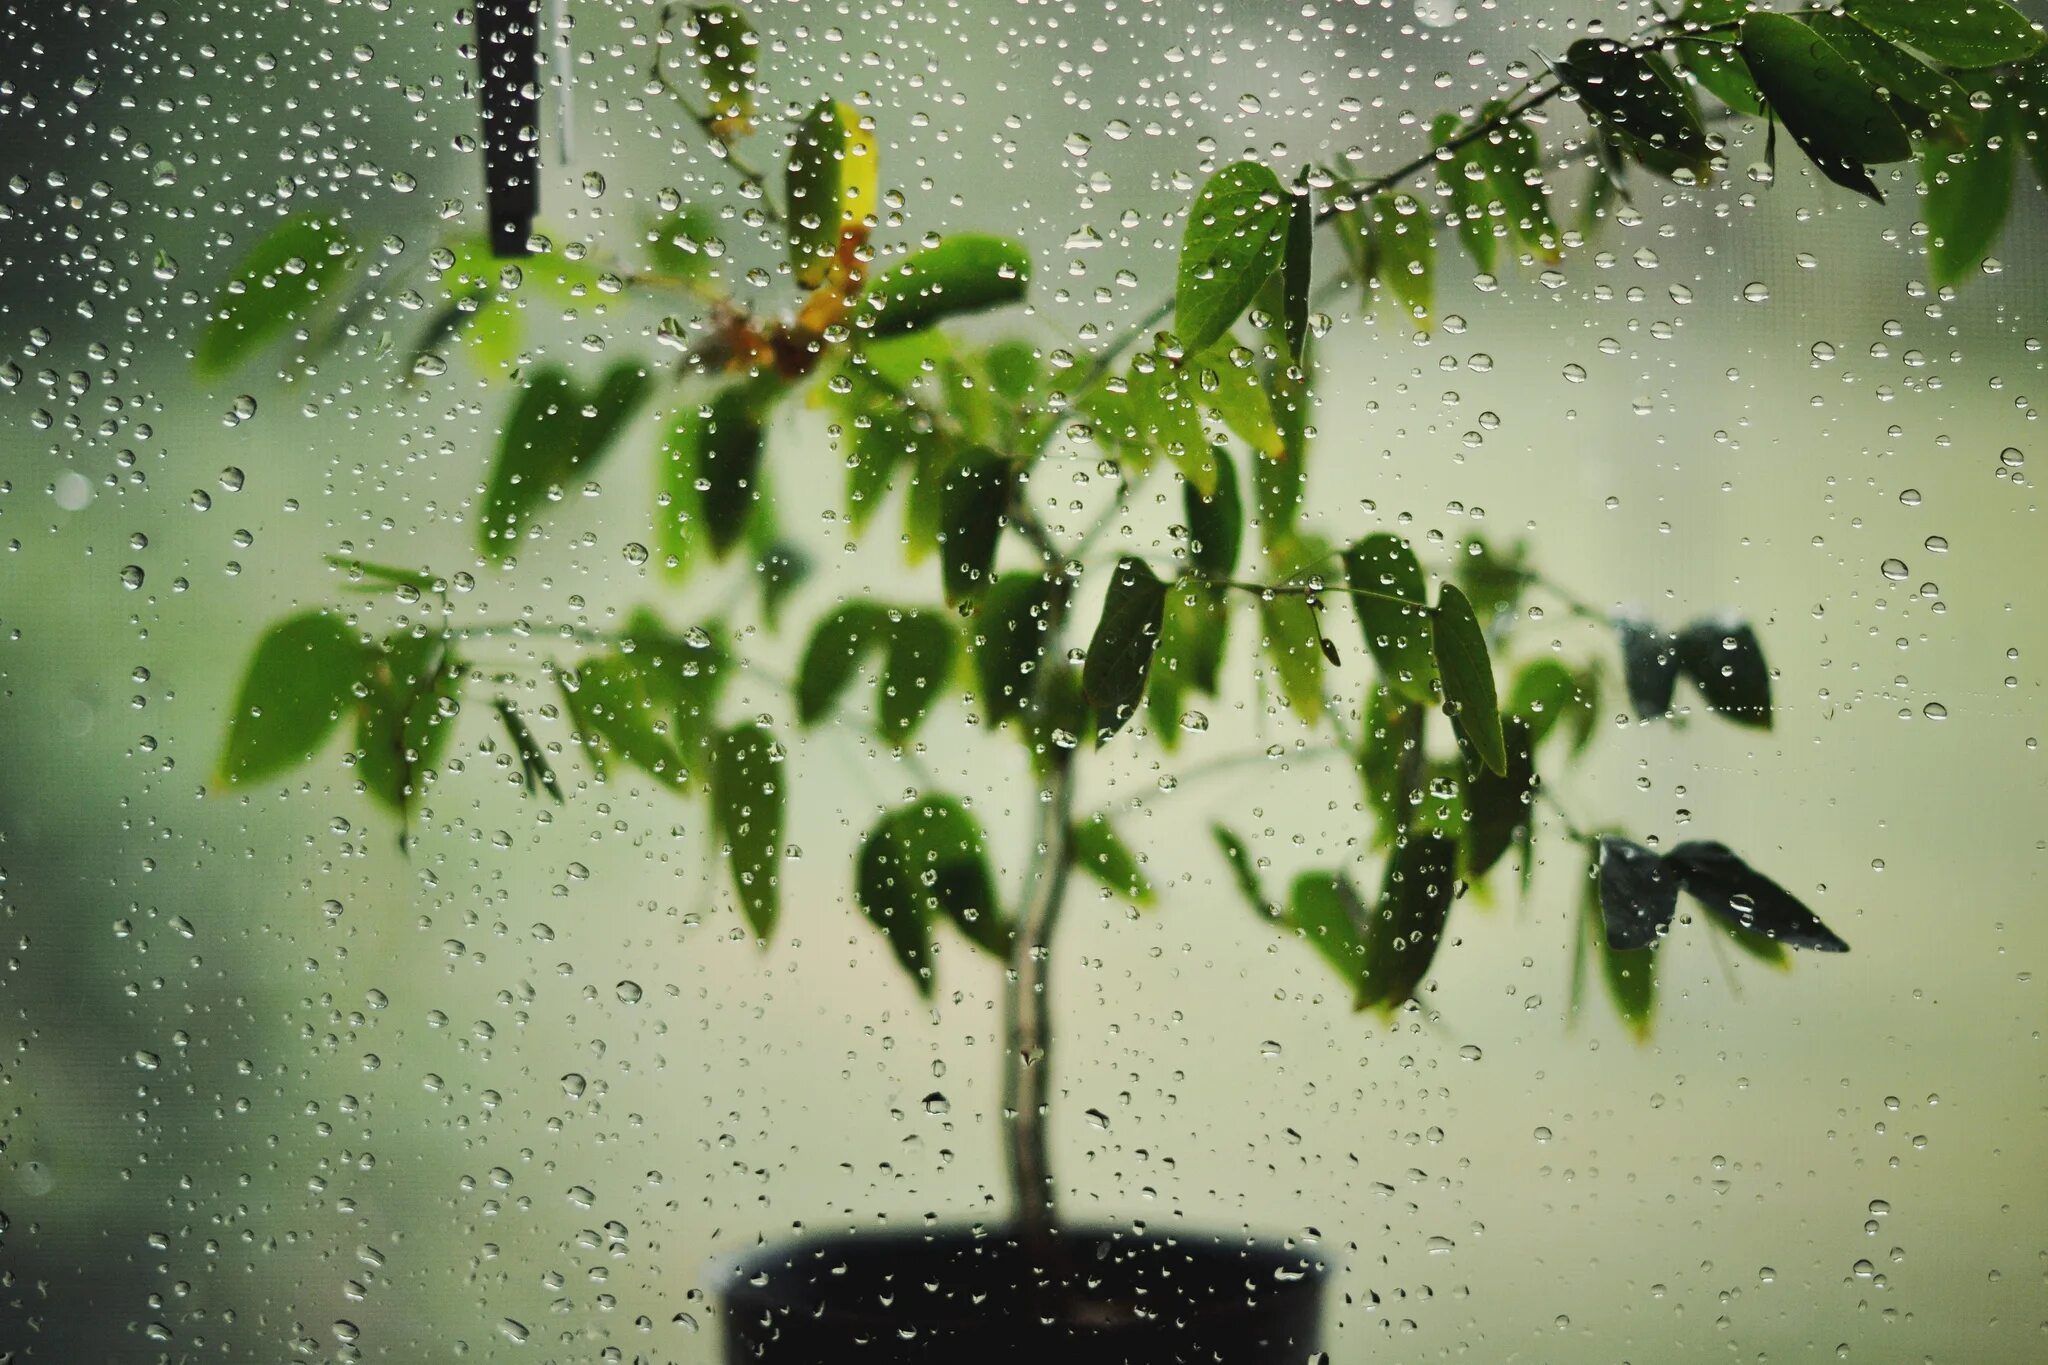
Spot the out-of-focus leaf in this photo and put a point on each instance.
(1297, 269)
(1166, 402)
(830, 187)
(1406, 925)
(536, 773)
(285, 277)
(1216, 522)
(1466, 673)
(917, 667)
(1969, 191)
(1235, 238)
(1464, 180)
(1390, 763)
(628, 707)
(1746, 898)
(1291, 639)
(1492, 578)
(1634, 94)
(1096, 850)
(973, 505)
(1497, 804)
(1193, 634)
(1397, 633)
(832, 659)
(1120, 653)
(1009, 638)
(747, 802)
(681, 244)
(1832, 111)
(1404, 253)
(1649, 666)
(1546, 693)
(300, 682)
(965, 273)
(1964, 33)
(923, 862)
(555, 433)
(728, 54)
(1243, 871)
(1227, 382)
(1278, 486)
(782, 569)
(406, 716)
(1630, 973)
(1638, 893)
(1727, 664)
(1327, 911)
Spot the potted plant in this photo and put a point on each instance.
(1041, 634)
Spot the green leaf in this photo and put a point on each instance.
(1327, 911)
(1969, 192)
(1192, 637)
(917, 667)
(300, 682)
(1726, 662)
(1236, 237)
(1058, 716)
(1227, 383)
(536, 773)
(1638, 893)
(1243, 870)
(1390, 763)
(829, 185)
(922, 862)
(1009, 639)
(1120, 653)
(1467, 677)
(1464, 183)
(1714, 59)
(747, 802)
(556, 432)
(973, 505)
(1297, 269)
(1635, 96)
(628, 707)
(1406, 926)
(1291, 638)
(1630, 973)
(1165, 400)
(781, 569)
(1098, 851)
(1398, 635)
(729, 446)
(1649, 666)
(1497, 805)
(1404, 252)
(728, 54)
(1831, 109)
(1216, 521)
(1746, 899)
(1922, 97)
(678, 511)
(1512, 157)
(833, 657)
(406, 716)
(967, 273)
(290, 273)
(1545, 694)
(681, 244)
(1965, 33)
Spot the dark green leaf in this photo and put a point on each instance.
(1327, 911)
(966, 273)
(1397, 633)
(1243, 871)
(1964, 33)
(729, 462)
(1638, 893)
(1726, 662)
(1831, 109)
(1390, 763)
(1192, 637)
(536, 774)
(1714, 58)
(1638, 99)
(1497, 804)
(1969, 191)
(1058, 717)
(1098, 851)
(782, 569)
(629, 709)
(1120, 653)
(1649, 666)
(1236, 237)
(1630, 974)
(1291, 638)
(1747, 899)
(1278, 486)
(917, 667)
(972, 508)
(680, 246)
(1406, 926)
(922, 862)
(728, 53)
(406, 717)
(1512, 157)
(1493, 579)
(300, 682)
(556, 432)
(833, 657)
(1009, 640)
(1467, 676)
(747, 802)
(1404, 253)
(288, 274)
(829, 185)
(1297, 269)
(1922, 97)
(1216, 523)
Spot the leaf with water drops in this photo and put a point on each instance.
(1120, 653)
(1635, 96)
(1638, 892)
(969, 272)
(287, 275)
(832, 659)
(748, 797)
(1009, 635)
(1831, 109)
(1964, 33)
(1497, 805)
(556, 434)
(1649, 666)
(917, 666)
(1969, 191)
(1098, 850)
(921, 863)
(1236, 237)
(830, 186)
(536, 774)
(1746, 899)
(1390, 594)
(1406, 925)
(1726, 662)
(300, 682)
(728, 53)
(974, 503)
(1466, 674)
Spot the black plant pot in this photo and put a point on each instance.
(975, 1297)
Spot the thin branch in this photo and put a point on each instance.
(748, 175)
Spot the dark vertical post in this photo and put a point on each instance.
(508, 91)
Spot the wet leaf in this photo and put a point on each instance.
(628, 708)
(1726, 662)
(1969, 191)
(838, 645)
(1291, 639)
(1329, 914)
(728, 54)
(1298, 269)
(1120, 653)
(1406, 925)
(1397, 633)
(1216, 521)
(1497, 804)
(916, 669)
(829, 185)
(1922, 97)
(1832, 111)
(1193, 634)
(406, 717)
(969, 272)
(1630, 974)
(1467, 677)
(552, 441)
(1096, 850)
(1009, 639)
(1243, 871)
(1715, 60)
(1964, 33)
(747, 804)
(287, 275)
(1638, 893)
(1649, 666)
(1747, 899)
(729, 443)
(1404, 253)
(299, 684)
(1634, 94)
(537, 775)
(921, 863)
(1546, 694)
(1235, 238)
(973, 506)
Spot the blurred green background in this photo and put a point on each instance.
(273, 1090)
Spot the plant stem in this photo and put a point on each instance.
(747, 174)
(1027, 1000)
